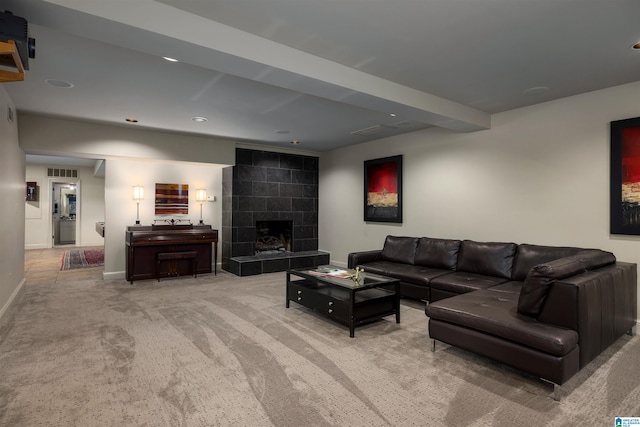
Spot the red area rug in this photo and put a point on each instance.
(82, 258)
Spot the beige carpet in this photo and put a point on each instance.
(224, 351)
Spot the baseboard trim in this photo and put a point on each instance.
(36, 246)
(13, 296)
(114, 275)
(96, 243)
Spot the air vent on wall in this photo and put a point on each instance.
(68, 173)
(373, 130)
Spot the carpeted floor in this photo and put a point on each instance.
(224, 351)
(82, 258)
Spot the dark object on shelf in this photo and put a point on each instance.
(17, 29)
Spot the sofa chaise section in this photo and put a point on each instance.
(579, 317)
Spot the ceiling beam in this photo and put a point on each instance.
(205, 43)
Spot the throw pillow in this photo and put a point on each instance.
(536, 285)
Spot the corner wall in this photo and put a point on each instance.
(12, 188)
(540, 175)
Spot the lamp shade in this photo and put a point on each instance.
(201, 195)
(138, 192)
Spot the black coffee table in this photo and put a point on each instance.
(342, 299)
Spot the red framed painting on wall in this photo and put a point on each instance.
(625, 177)
(383, 189)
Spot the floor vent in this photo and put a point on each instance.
(67, 173)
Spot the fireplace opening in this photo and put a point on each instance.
(273, 236)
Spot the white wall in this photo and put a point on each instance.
(90, 209)
(13, 190)
(122, 175)
(539, 175)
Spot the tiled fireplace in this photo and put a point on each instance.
(270, 200)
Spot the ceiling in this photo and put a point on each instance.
(274, 71)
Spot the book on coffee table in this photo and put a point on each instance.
(331, 271)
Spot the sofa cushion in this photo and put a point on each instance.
(486, 258)
(460, 282)
(535, 287)
(416, 274)
(399, 249)
(511, 287)
(495, 313)
(437, 253)
(528, 256)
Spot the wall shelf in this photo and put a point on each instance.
(10, 57)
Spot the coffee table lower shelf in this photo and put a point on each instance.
(350, 307)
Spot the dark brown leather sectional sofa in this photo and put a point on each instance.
(545, 310)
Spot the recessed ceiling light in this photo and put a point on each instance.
(59, 83)
(170, 59)
(636, 46)
(130, 120)
(282, 131)
(295, 142)
(392, 114)
(199, 119)
(538, 90)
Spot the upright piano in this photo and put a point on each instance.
(149, 250)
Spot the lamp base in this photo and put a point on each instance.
(201, 222)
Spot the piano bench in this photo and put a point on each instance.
(172, 256)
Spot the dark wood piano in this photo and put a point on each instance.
(157, 251)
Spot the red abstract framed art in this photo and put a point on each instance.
(383, 189)
(172, 199)
(625, 177)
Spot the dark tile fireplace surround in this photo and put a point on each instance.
(270, 196)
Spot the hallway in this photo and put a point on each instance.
(42, 266)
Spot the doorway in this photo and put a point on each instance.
(64, 213)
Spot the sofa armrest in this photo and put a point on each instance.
(359, 258)
(600, 305)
